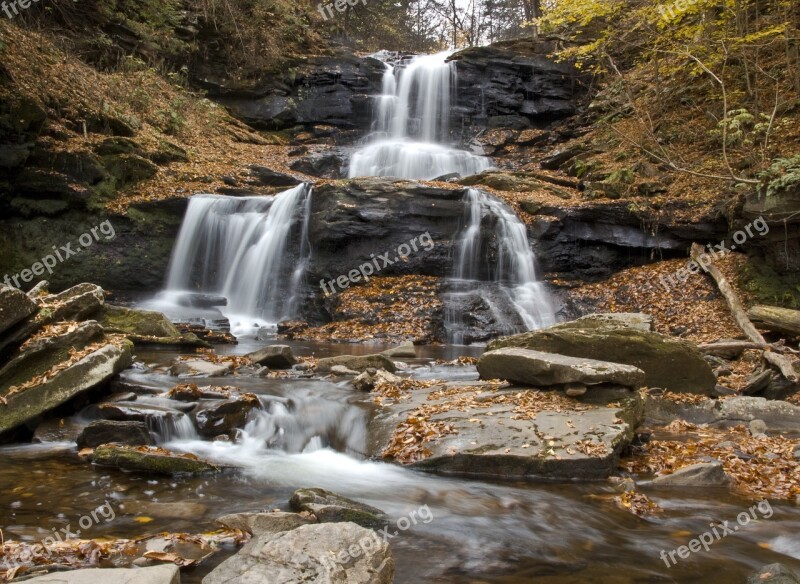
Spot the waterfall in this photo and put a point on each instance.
(411, 125)
(493, 271)
(250, 250)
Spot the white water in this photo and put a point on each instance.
(411, 125)
(250, 250)
(514, 268)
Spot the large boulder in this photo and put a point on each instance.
(274, 357)
(357, 363)
(545, 369)
(332, 508)
(668, 363)
(15, 306)
(27, 398)
(329, 553)
(166, 574)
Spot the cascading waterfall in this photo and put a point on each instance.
(513, 269)
(411, 125)
(250, 250)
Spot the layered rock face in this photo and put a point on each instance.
(504, 84)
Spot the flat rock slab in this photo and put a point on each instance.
(357, 363)
(668, 363)
(15, 306)
(516, 433)
(155, 575)
(327, 553)
(200, 368)
(779, 416)
(546, 369)
(88, 373)
(704, 474)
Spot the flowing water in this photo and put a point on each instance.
(500, 255)
(310, 434)
(252, 251)
(411, 133)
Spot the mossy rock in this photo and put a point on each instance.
(130, 168)
(119, 145)
(329, 507)
(150, 460)
(145, 327)
(668, 363)
(168, 152)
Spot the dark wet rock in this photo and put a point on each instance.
(149, 460)
(15, 306)
(266, 177)
(356, 363)
(779, 416)
(86, 374)
(583, 441)
(274, 357)
(546, 369)
(58, 430)
(774, 574)
(311, 553)
(227, 416)
(485, 311)
(165, 574)
(668, 363)
(265, 523)
(108, 431)
(329, 507)
(704, 474)
(321, 164)
(146, 327)
(135, 412)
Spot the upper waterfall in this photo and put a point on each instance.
(411, 125)
(250, 250)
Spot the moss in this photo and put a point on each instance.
(769, 287)
(149, 461)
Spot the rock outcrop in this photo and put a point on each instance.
(668, 363)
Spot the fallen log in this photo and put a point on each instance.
(729, 349)
(783, 363)
(779, 320)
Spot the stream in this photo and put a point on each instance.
(505, 532)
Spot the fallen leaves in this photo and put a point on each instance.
(638, 504)
(760, 466)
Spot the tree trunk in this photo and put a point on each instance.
(779, 320)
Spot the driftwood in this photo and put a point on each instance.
(783, 363)
(779, 320)
(729, 349)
